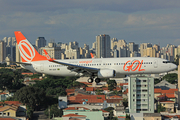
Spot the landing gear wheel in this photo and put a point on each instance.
(90, 80)
(97, 80)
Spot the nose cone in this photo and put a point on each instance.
(173, 66)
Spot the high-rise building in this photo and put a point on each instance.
(52, 50)
(144, 46)
(72, 50)
(103, 46)
(18, 57)
(40, 42)
(2, 51)
(133, 47)
(141, 94)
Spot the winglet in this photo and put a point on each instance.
(92, 56)
(47, 56)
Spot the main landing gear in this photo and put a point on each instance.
(97, 80)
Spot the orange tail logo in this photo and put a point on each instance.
(27, 51)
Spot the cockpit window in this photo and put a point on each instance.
(166, 61)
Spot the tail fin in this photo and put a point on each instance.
(27, 51)
(92, 56)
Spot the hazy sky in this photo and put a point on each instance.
(139, 21)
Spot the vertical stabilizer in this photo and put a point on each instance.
(27, 51)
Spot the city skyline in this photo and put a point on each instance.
(135, 21)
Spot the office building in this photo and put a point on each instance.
(141, 94)
(40, 42)
(144, 46)
(2, 51)
(52, 50)
(103, 46)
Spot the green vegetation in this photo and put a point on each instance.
(53, 110)
(31, 97)
(156, 81)
(57, 85)
(171, 78)
(115, 92)
(125, 102)
(111, 84)
(10, 80)
(127, 117)
(109, 109)
(160, 108)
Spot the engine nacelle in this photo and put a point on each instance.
(106, 73)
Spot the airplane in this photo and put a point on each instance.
(95, 69)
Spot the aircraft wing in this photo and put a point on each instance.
(76, 68)
(79, 69)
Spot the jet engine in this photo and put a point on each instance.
(106, 73)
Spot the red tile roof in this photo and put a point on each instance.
(86, 83)
(12, 102)
(157, 90)
(28, 73)
(122, 84)
(126, 91)
(70, 90)
(90, 89)
(115, 96)
(121, 117)
(170, 96)
(88, 98)
(163, 101)
(117, 88)
(7, 119)
(171, 116)
(73, 115)
(113, 100)
(104, 111)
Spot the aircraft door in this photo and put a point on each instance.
(155, 63)
(42, 66)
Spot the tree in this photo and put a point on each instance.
(54, 111)
(127, 117)
(176, 60)
(160, 108)
(111, 84)
(125, 102)
(156, 81)
(109, 109)
(30, 96)
(171, 78)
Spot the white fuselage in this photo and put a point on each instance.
(122, 66)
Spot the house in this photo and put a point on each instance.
(171, 117)
(74, 117)
(87, 99)
(165, 85)
(119, 111)
(8, 110)
(62, 102)
(170, 94)
(21, 111)
(83, 112)
(105, 113)
(4, 95)
(169, 105)
(151, 116)
(114, 102)
(124, 86)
